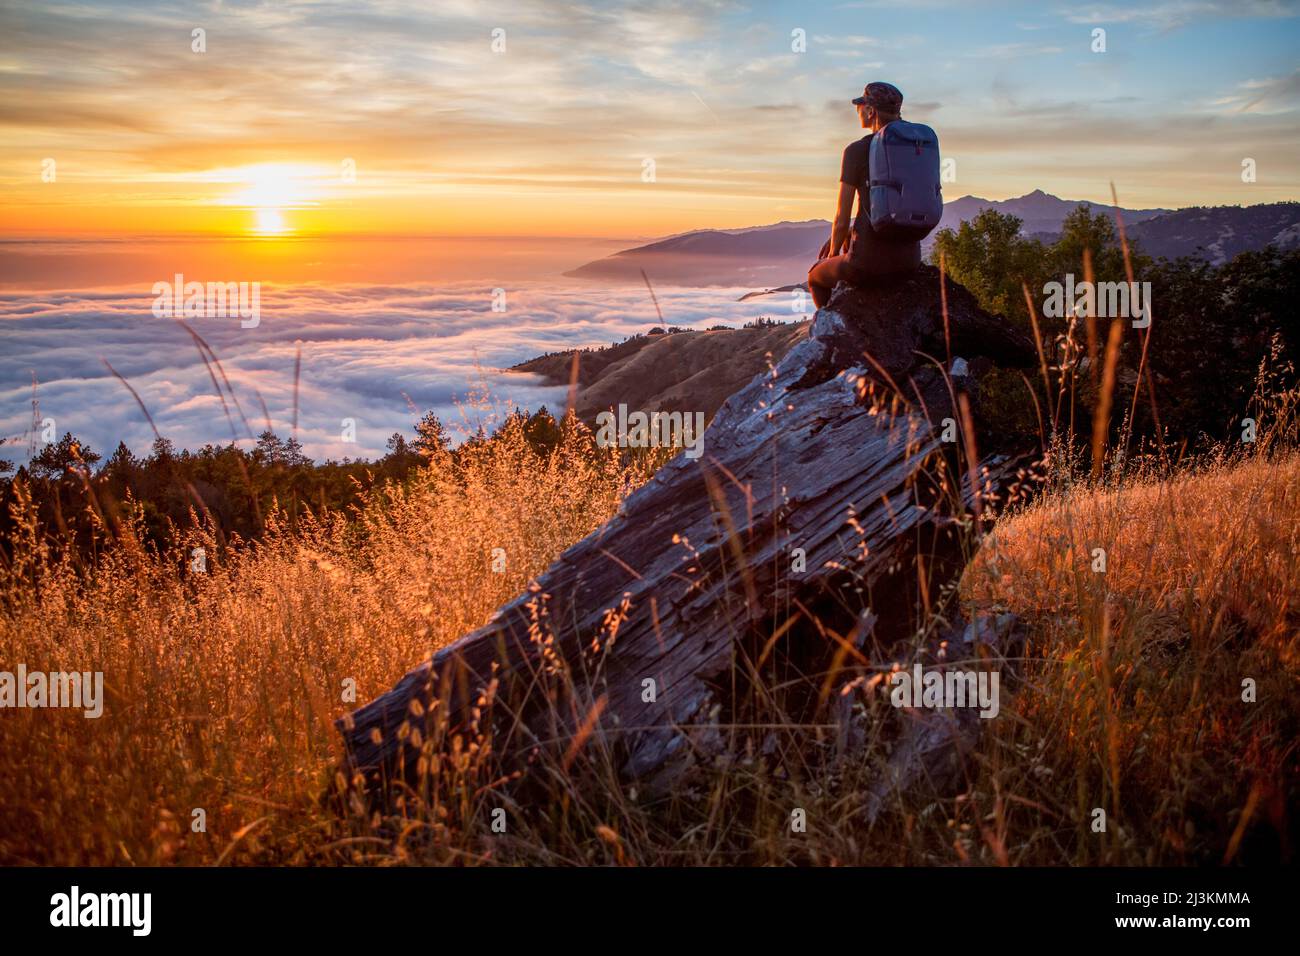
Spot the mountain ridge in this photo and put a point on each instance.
(779, 254)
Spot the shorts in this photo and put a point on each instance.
(872, 256)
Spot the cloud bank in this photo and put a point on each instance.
(380, 355)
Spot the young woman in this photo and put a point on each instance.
(854, 253)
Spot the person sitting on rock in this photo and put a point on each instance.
(855, 252)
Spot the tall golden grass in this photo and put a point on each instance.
(1152, 603)
(222, 686)
(222, 689)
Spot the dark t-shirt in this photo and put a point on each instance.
(870, 252)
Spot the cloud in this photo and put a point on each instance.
(850, 39)
(366, 350)
(1178, 13)
(1003, 50)
(1275, 94)
(915, 4)
(549, 136)
(582, 93)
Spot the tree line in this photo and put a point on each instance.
(72, 495)
(1218, 333)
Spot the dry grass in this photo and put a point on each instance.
(1132, 698)
(222, 689)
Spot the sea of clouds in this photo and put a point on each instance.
(380, 355)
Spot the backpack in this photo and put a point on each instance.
(906, 199)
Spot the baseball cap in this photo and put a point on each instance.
(884, 96)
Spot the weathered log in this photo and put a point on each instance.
(933, 744)
(831, 453)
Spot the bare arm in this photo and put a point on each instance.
(843, 217)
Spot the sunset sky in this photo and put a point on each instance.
(551, 136)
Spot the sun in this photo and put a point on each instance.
(268, 190)
(270, 222)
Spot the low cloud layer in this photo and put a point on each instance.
(378, 354)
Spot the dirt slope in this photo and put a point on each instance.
(682, 371)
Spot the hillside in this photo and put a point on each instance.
(763, 255)
(1218, 233)
(1128, 696)
(682, 371)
